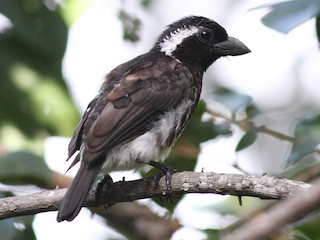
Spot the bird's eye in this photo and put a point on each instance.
(205, 36)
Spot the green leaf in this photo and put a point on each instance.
(287, 15)
(309, 227)
(232, 100)
(24, 168)
(37, 30)
(248, 139)
(307, 137)
(252, 111)
(212, 234)
(131, 26)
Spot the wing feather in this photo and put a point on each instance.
(130, 108)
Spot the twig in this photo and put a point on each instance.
(270, 132)
(246, 124)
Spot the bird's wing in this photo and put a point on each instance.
(75, 141)
(129, 109)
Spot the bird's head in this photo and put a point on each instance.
(198, 41)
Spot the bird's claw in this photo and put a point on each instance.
(166, 171)
(105, 181)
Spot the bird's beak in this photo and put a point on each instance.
(231, 47)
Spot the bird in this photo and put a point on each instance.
(144, 105)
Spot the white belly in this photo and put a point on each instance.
(152, 145)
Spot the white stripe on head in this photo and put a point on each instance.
(170, 42)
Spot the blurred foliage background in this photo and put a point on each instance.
(33, 91)
(35, 103)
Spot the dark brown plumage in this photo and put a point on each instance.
(144, 105)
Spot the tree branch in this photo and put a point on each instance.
(263, 187)
(266, 224)
(136, 221)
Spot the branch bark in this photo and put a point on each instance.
(263, 187)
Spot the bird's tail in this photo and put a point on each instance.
(78, 191)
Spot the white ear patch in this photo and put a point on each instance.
(170, 42)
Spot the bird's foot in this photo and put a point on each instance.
(105, 181)
(166, 171)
